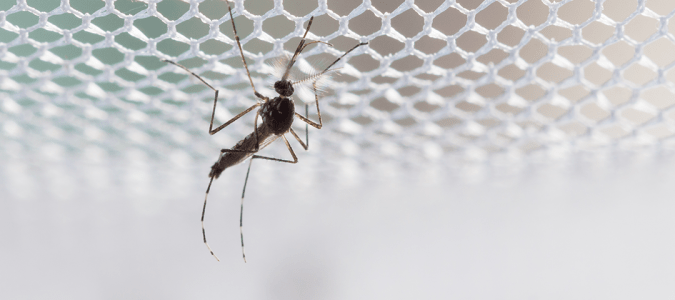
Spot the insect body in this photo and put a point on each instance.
(277, 116)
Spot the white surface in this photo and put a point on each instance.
(586, 229)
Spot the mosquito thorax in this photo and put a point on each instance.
(284, 88)
(278, 114)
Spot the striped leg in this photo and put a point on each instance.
(215, 101)
(203, 212)
(306, 146)
(243, 59)
(243, 192)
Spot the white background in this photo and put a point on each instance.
(590, 227)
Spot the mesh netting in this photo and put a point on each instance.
(475, 78)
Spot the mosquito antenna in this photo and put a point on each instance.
(315, 76)
(297, 51)
(203, 212)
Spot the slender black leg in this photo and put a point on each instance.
(288, 145)
(241, 212)
(297, 51)
(318, 111)
(215, 101)
(213, 114)
(343, 55)
(314, 42)
(236, 37)
(203, 212)
(306, 146)
(243, 192)
(326, 70)
(257, 141)
(307, 125)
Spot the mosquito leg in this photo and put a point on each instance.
(236, 37)
(193, 74)
(288, 145)
(241, 212)
(318, 111)
(237, 151)
(306, 146)
(297, 51)
(343, 55)
(243, 192)
(203, 212)
(213, 114)
(255, 133)
(307, 125)
(314, 42)
(215, 101)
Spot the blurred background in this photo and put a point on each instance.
(474, 149)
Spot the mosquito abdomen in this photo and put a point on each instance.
(241, 151)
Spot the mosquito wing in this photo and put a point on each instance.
(279, 65)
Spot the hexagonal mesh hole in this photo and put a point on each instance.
(496, 76)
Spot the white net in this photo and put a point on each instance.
(439, 77)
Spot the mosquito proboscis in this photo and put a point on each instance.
(277, 116)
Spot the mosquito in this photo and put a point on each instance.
(277, 115)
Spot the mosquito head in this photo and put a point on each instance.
(284, 88)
